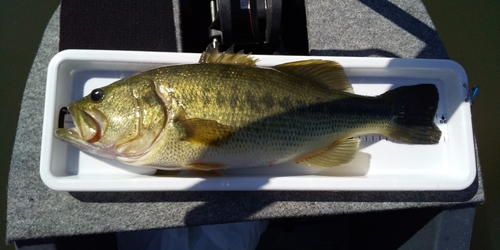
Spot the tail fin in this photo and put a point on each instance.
(413, 114)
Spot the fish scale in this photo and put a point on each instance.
(296, 122)
(229, 86)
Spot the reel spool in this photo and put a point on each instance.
(246, 23)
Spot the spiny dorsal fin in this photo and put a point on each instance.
(329, 74)
(212, 55)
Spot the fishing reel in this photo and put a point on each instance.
(246, 23)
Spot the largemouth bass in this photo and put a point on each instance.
(226, 112)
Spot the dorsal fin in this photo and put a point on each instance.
(212, 55)
(329, 74)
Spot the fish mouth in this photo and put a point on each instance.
(88, 126)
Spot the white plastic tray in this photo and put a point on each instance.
(380, 164)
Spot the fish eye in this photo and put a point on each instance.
(97, 95)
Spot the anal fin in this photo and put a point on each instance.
(338, 153)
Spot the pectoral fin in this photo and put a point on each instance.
(206, 132)
(338, 153)
(167, 173)
(204, 166)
